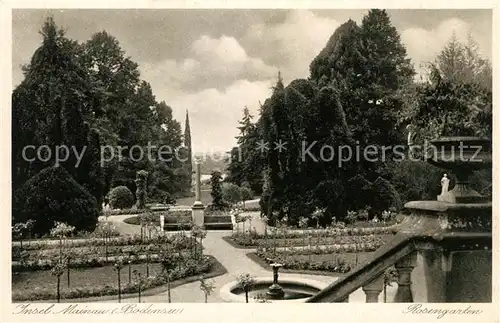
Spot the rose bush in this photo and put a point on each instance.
(337, 266)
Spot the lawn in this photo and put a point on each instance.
(206, 199)
(79, 278)
(103, 281)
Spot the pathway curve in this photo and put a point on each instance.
(235, 260)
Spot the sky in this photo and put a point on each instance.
(214, 62)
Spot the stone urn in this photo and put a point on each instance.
(461, 156)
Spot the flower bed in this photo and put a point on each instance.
(328, 263)
(312, 263)
(103, 281)
(317, 238)
(330, 232)
(92, 257)
(365, 246)
(137, 211)
(87, 261)
(47, 237)
(128, 240)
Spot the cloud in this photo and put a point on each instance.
(423, 45)
(214, 83)
(222, 75)
(291, 45)
(214, 113)
(212, 62)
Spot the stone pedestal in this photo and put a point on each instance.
(275, 291)
(198, 214)
(198, 209)
(162, 222)
(455, 265)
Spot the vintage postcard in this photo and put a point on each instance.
(167, 154)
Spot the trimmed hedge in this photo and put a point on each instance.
(53, 195)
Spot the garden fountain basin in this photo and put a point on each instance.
(297, 290)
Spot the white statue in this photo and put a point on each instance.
(445, 181)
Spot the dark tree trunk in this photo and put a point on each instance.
(106, 248)
(58, 289)
(119, 289)
(201, 248)
(168, 288)
(67, 272)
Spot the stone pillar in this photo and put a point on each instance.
(373, 289)
(198, 209)
(405, 267)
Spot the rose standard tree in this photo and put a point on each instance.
(169, 259)
(118, 267)
(246, 282)
(207, 287)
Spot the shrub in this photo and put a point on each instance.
(214, 209)
(53, 195)
(384, 196)
(216, 193)
(231, 193)
(168, 199)
(121, 197)
(246, 193)
(351, 217)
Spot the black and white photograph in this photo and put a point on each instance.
(164, 156)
